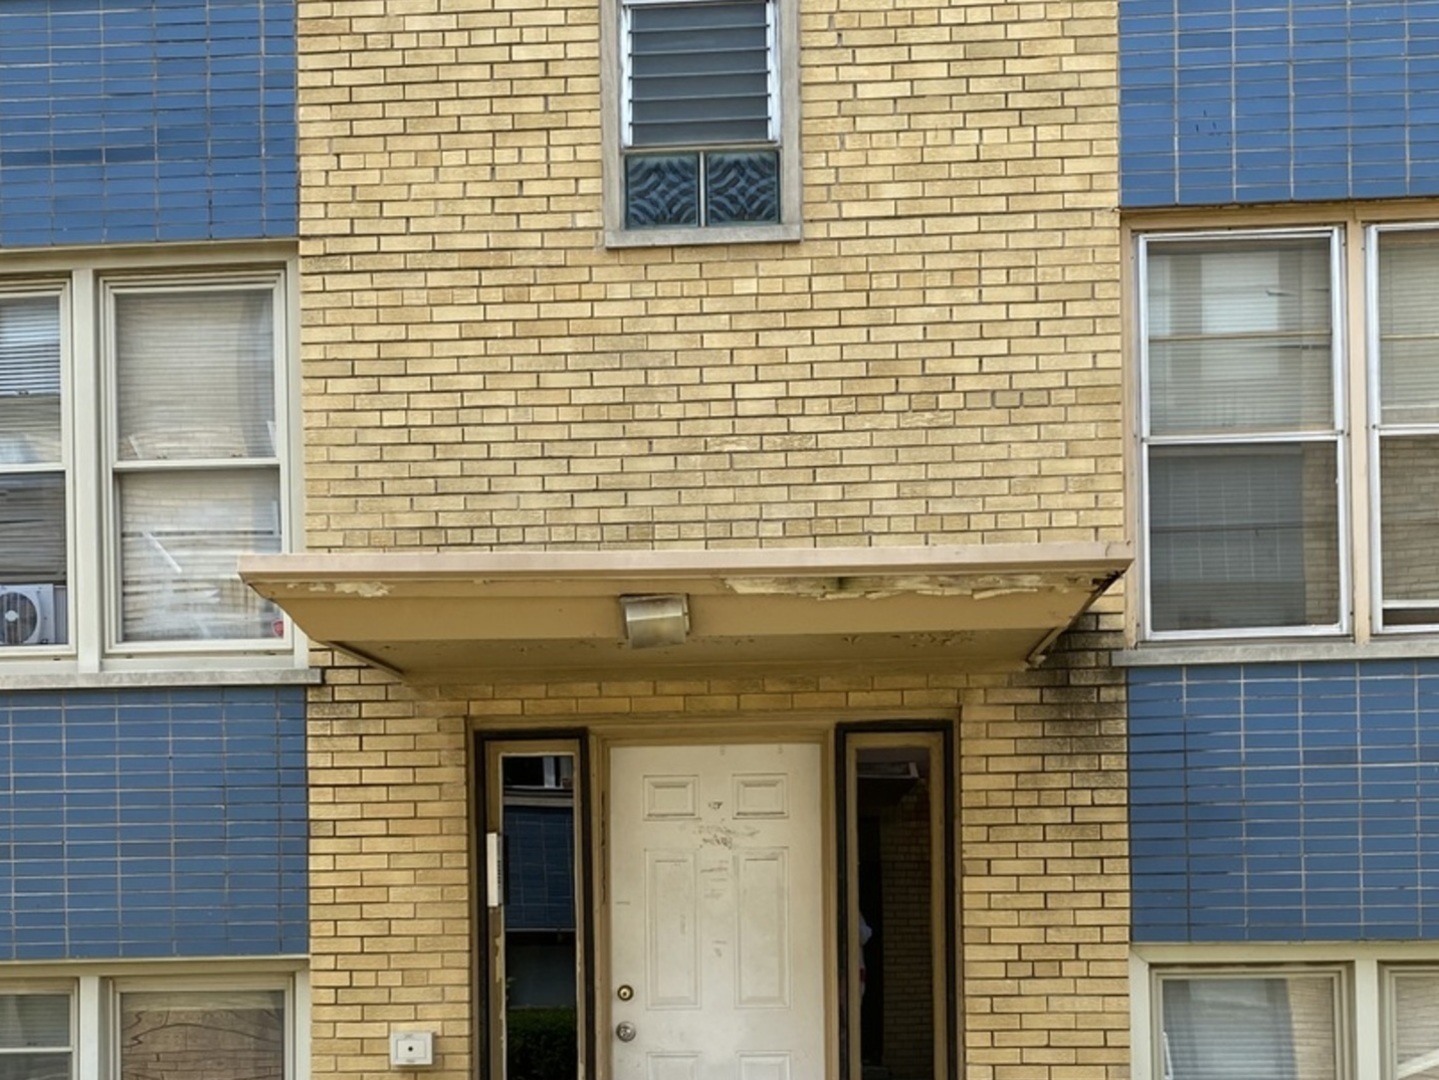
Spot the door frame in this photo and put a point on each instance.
(591, 746)
(488, 746)
(944, 920)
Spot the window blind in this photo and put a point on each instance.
(1240, 337)
(30, 345)
(1407, 268)
(1278, 1028)
(195, 374)
(699, 73)
(29, 380)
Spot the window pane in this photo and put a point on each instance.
(1277, 1028)
(1408, 528)
(218, 1036)
(196, 375)
(34, 1020)
(699, 73)
(541, 956)
(896, 861)
(32, 560)
(662, 189)
(34, 1066)
(1408, 327)
(34, 1036)
(1240, 337)
(1415, 1035)
(181, 534)
(1243, 536)
(29, 380)
(741, 187)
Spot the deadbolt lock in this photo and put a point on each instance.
(625, 992)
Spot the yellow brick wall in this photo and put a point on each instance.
(937, 361)
(1040, 821)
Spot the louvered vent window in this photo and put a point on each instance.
(701, 114)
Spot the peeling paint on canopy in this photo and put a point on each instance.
(523, 615)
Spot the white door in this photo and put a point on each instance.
(716, 913)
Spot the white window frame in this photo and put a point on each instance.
(86, 286)
(783, 43)
(57, 987)
(116, 988)
(1339, 437)
(1364, 1028)
(1355, 375)
(1376, 425)
(95, 989)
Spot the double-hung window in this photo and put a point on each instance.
(1258, 500)
(37, 1035)
(142, 451)
(1310, 1020)
(702, 122)
(1236, 1025)
(242, 1026)
(1404, 418)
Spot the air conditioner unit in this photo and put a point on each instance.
(27, 615)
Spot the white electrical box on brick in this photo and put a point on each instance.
(412, 1049)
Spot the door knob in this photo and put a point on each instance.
(624, 1031)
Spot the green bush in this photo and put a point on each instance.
(542, 1044)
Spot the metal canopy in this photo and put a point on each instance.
(556, 615)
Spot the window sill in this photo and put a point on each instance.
(692, 237)
(1263, 652)
(67, 678)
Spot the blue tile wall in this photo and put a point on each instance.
(1250, 101)
(146, 120)
(1285, 802)
(152, 823)
(539, 871)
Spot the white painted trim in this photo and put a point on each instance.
(1263, 651)
(299, 1064)
(1141, 1022)
(91, 1039)
(1362, 1026)
(1376, 426)
(86, 282)
(1339, 434)
(95, 987)
(1354, 261)
(87, 630)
